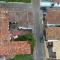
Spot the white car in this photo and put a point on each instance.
(24, 28)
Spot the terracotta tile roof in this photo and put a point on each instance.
(21, 32)
(53, 33)
(13, 48)
(15, 32)
(8, 48)
(4, 33)
(56, 0)
(21, 17)
(53, 16)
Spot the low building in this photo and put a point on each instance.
(53, 33)
(14, 48)
(7, 47)
(4, 33)
(53, 16)
(56, 1)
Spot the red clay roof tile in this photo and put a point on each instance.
(56, 0)
(53, 33)
(53, 16)
(13, 48)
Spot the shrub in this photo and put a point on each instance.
(23, 57)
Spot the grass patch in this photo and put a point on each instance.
(22, 57)
(25, 1)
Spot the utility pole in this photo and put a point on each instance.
(39, 51)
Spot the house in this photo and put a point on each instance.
(4, 33)
(15, 47)
(53, 32)
(7, 47)
(56, 1)
(53, 16)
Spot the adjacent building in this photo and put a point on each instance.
(53, 32)
(4, 27)
(7, 47)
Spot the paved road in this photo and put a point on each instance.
(39, 51)
(3, 58)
